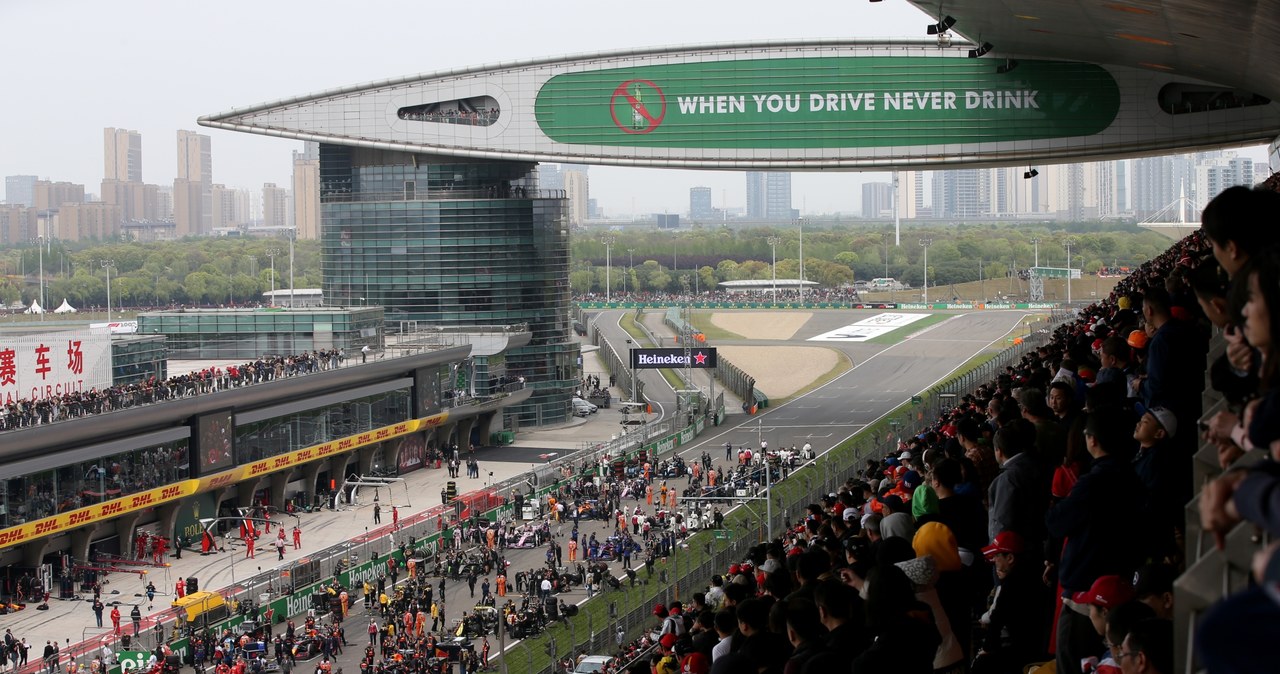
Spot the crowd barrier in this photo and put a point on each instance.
(709, 552)
(731, 376)
(665, 304)
(286, 592)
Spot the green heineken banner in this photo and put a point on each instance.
(827, 102)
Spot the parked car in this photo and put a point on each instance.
(583, 408)
(592, 664)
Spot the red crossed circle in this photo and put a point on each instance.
(637, 107)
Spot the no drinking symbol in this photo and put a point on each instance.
(638, 106)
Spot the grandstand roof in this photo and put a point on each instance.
(1229, 42)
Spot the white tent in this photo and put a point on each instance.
(34, 308)
(65, 308)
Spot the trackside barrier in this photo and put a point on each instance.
(710, 552)
(290, 589)
(731, 376)
(663, 304)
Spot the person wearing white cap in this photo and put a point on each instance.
(905, 456)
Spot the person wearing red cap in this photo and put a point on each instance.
(1018, 620)
(667, 661)
(1098, 520)
(1105, 595)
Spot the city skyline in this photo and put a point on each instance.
(62, 138)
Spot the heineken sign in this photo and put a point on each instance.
(827, 102)
(650, 359)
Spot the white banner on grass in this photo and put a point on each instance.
(868, 328)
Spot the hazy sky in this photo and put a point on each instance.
(76, 66)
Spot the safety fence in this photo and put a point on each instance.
(663, 304)
(709, 552)
(288, 591)
(630, 608)
(619, 369)
(731, 376)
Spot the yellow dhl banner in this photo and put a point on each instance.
(149, 499)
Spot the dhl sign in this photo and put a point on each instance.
(94, 513)
(307, 454)
(159, 496)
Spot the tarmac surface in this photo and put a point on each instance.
(883, 377)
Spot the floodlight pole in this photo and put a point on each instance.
(608, 286)
(1069, 241)
(773, 245)
(293, 234)
(925, 243)
(106, 264)
(272, 253)
(40, 246)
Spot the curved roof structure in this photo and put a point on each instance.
(1230, 42)
(782, 105)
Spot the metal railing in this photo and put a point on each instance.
(339, 195)
(731, 376)
(708, 553)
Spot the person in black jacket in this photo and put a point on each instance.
(1019, 612)
(806, 634)
(840, 609)
(1100, 519)
(905, 636)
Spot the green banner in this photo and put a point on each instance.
(827, 102)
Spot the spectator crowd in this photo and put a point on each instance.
(1040, 522)
(33, 412)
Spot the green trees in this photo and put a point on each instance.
(190, 271)
(836, 254)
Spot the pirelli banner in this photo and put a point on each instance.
(653, 359)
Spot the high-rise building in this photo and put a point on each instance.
(877, 200)
(275, 206)
(122, 155)
(499, 258)
(550, 177)
(769, 195)
(17, 224)
(700, 203)
(50, 195)
(228, 210)
(306, 191)
(159, 202)
(577, 189)
(961, 193)
(1157, 184)
(1217, 174)
(20, 190)
(87, 221)
(193, 188)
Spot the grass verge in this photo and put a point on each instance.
(628, 323)
(702, 321)
(532, 657)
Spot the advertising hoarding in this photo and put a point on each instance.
(650, 359)
(826, 102)
(33, 367)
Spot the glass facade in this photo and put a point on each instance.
(281, 435)
(137, 358)
(454, 243)
(252, 333)
(76, 485)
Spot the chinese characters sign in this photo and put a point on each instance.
(49, 365)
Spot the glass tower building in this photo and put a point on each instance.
(452, 242)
